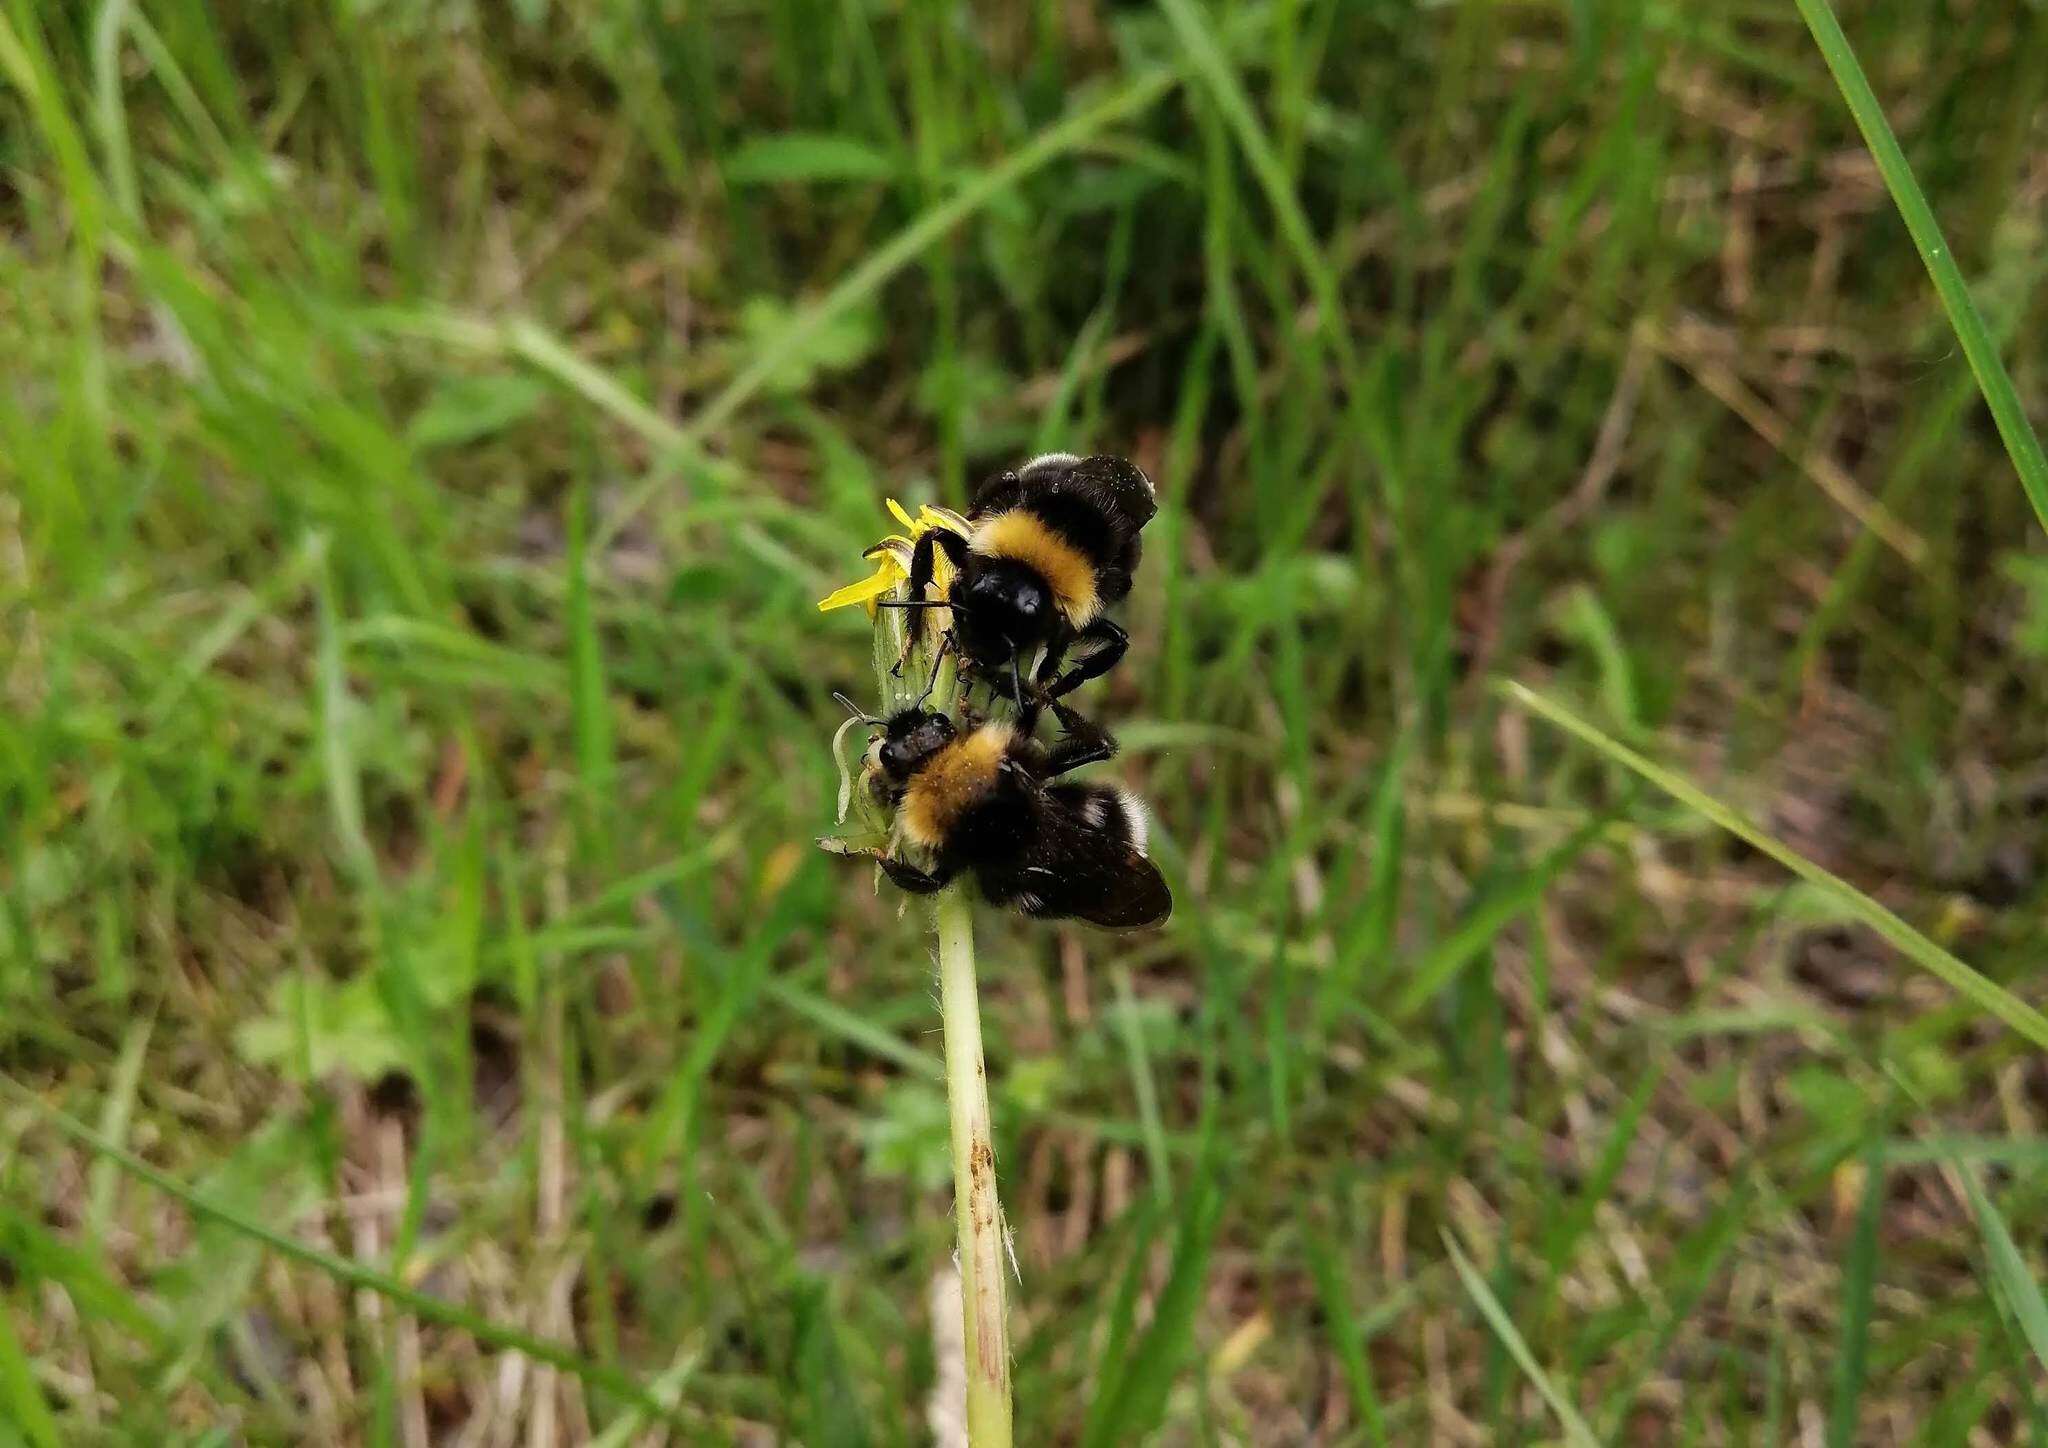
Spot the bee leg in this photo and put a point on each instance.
(906, 876)
(1049, 666)
(1029, 704)
(1081, 742)
(923, 557)
(938, 661)
(1108, 642)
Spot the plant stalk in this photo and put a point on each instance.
(978, 1215)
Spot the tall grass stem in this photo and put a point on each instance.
(977, 1212)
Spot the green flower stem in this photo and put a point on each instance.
(977, 1212)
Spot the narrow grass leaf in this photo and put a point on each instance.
(1142, 1085)
(764, 160)
(1859, 1278)
(886, 260)
(1573, 1224)
(110, 115)
(1986, 993)
(908, 244)
(337, 751)
(668, 1388)
(1138, 1401)
(1575, 1430)
(20, 1394)
(1695, 1264)
(468, 409)
(2016, 1284)
(1346, 1337)
(120, 1105)
(589, 708)
(235, 620)
(855, 1028)
(1992, 378)
(1200, 42)
(825, 1387)
(1120, 1320)
(1368, 947)
(1488, 918)
(38, 1253)
(26, 63)
(348, 1273)
(545, 352)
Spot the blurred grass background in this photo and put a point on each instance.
(426, 430)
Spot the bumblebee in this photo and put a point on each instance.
(980, 797)
(1047, 548)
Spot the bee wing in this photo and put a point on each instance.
(1085, 862)
(1113, 485)
(1125, 893)
(1119, 483)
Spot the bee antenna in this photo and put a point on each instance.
(855, 710)
(921, 603)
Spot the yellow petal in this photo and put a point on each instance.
(931, 517)
(865, 591)
(902, 517)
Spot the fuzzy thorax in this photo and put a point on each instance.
(951, 782)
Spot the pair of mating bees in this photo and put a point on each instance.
(1042, 551)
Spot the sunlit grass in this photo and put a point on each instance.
(423, 440)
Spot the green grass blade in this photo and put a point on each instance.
(1575, 1430)
(20, 1394)
(1859, 1278)
(542, 350)
(669, 1386)
(1200, 43)
(337, 752)
(910, 243)
(26, 65)
(1572, 1223)
(1142, 1086)
(1138, 1401)
(1916, 947)
(1346, 1337)
(1992, 378)
(898, 252)
(110, 115)
(114, 1116)
(1487, 919)
(1120, 1318)
(348, 1273)
(854, 1027)
(589, 705)
(824, 1388)
(2008, 1268)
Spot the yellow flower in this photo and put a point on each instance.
(891, 558)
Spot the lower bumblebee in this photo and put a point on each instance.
(980, 797)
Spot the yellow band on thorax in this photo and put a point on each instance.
(952, 780)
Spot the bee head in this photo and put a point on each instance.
(909, 739)
(1007, 609)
